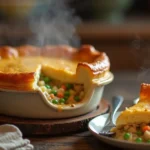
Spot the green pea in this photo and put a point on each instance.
(76, 98)
(138, 140)
(127, 136)
(66, 98)
(148, 141)
(67, 93)
(69, 86)
(139, 133)
(46, 79)
(54, 92)
(55, 101)
(47, 86)
(61, 100)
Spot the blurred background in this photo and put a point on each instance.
(121, 28)
(118, 27)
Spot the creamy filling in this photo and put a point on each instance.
(60, 93)
(133, 133)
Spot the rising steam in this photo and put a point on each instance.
(141, 53)
(54, 23)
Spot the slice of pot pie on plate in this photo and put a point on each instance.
(63, 75)
(133, 124)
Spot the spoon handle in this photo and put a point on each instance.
(116, 103)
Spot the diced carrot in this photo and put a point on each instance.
(52, 96)
(63, 86)
(60, 94)
(71, 99)
(145, 128)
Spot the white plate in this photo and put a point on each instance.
(96, 125)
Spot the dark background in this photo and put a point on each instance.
(124, 36)
(139, 8)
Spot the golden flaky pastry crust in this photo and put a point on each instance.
(140, 112)
(20, 66)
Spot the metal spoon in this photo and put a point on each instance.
(116, 103)
(135, 101)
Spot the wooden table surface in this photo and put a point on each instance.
(127, 84)
(80, 141)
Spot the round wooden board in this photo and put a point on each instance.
(31, 127)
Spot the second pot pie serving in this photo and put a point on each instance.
(133, 124)
(62, 73)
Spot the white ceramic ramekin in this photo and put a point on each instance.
(36, 105)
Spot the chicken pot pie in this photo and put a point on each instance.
(133, 124)
(62, 73)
